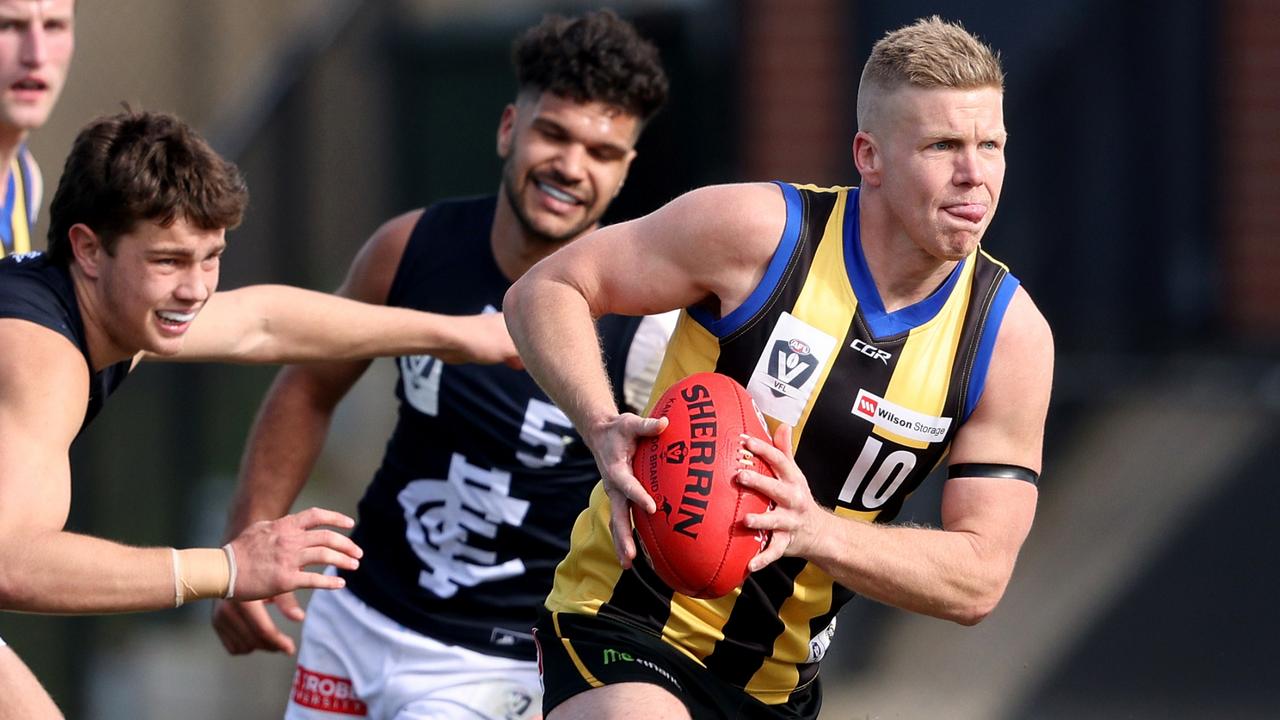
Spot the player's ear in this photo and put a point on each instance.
(867, 158)
(86, 248)
(506, 130)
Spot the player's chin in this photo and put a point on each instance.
(165, 346)
(958, 245)
(562, 227)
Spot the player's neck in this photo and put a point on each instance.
(11, 140)
(103, 351)
(903, 272)
(515, 250)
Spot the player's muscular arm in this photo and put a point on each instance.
(709, 246)
(958, 572)
(281, 324)
(43, 388)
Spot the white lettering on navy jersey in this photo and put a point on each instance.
(441, 516)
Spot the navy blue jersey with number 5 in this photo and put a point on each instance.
(471, 510)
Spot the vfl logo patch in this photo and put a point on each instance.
(676, 452)
(899, 420)
(792, 363)
(787, 372)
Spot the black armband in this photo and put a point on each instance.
(1015, 472)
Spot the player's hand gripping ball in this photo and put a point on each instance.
(696, 541)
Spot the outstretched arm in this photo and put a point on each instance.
(279, 324)
(43, 386)
(710, 246)
(958, 572)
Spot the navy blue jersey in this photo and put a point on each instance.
(471, 509)
(35, 289)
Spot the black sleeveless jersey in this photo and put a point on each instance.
(35, 289)
(483, 476)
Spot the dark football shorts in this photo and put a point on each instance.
(579, 652)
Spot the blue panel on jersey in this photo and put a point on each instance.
(885, 324)
(744, 312)
(987, 343)
(6, 211)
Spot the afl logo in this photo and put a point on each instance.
(676, 452)
(798, 346)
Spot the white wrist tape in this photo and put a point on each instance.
(231, 561)
(203, 573)
(177, 578)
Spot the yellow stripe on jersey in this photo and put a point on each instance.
(18, 220)
(691, 349)
(779, 675)
(590, 570)
(827, 301)
(695, 626)
(917, 382)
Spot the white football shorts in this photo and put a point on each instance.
(357, 662)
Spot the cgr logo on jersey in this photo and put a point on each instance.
(870, 351)
(20, 257)
(899, 420)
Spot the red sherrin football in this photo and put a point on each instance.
(696, 540)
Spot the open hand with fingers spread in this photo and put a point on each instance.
(270, 555)
(613, 442)
(796, 517)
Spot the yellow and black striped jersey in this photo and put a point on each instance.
(21, 203)
(875, 398)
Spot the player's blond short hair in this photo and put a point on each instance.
(929, 53)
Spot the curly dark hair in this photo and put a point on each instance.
(596, 57)
(138, 166)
